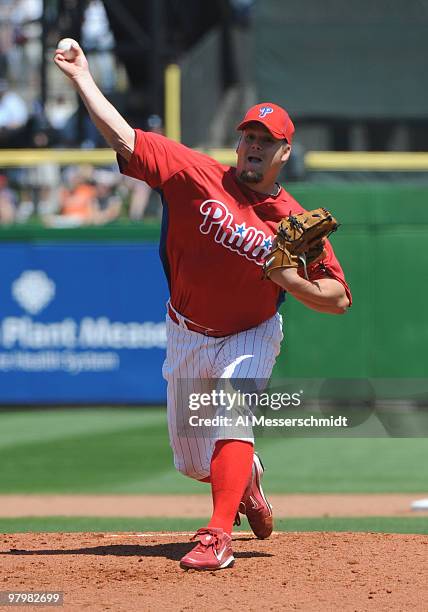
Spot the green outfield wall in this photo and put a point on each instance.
(383, 246)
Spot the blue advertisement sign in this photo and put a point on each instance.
(82, 323)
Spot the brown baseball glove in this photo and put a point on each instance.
(300, 240)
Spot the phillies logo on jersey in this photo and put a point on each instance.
(265, 110)
(219, 222)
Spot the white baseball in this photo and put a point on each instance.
(66, 46)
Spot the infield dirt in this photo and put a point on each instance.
(311, 572)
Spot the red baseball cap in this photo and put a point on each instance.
(273, 117)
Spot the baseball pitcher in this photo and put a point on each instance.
(233, 243)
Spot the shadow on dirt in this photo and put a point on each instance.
(168, 550)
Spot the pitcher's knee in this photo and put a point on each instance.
(192, 471)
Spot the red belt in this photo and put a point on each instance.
(199, 329)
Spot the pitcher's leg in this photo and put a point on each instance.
(231, 466)
(187, 361)
(247, 360)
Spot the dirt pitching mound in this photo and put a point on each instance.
(290, 571)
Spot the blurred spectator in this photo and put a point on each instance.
(8, 202)
(109, 202)
(38, 184)
(6, 36)
(90, 136)
(98, 42)
(24, 56)
(39, 130)
(59, 110)
(78, 201)
(42, 182)
(13, 117)
(139, 197)
(90, 197)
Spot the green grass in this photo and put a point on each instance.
(126, 450)
(379, 524)
(335, 465)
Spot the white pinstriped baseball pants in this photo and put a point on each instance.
(246, 355)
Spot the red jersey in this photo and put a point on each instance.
(216, 232)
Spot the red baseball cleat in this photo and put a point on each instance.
(213, 552)
(255, 505)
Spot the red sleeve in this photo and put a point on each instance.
(329, 267)
(156, 159)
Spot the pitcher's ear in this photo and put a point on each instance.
(287, 152)
(238, 143)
